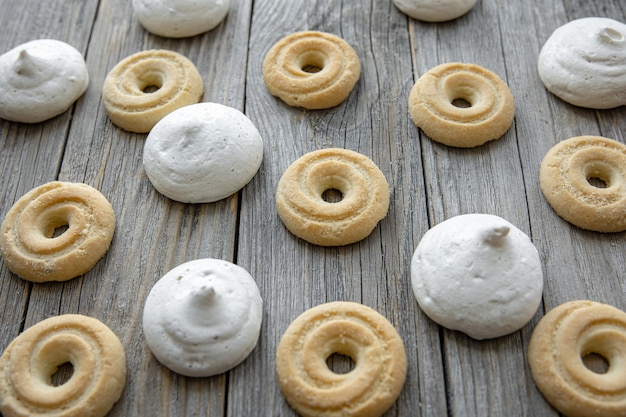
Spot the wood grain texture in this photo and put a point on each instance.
(449, 373)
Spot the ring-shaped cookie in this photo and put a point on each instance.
(349, 329)
(144, 87)
(57, 231)
(461, 105)
(312, 70)
(304, 211)
(557, 347)
(584, 180)
(32, 358)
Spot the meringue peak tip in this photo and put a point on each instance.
(25, 63)
(496, 235)
(205, 294)
(611, 35)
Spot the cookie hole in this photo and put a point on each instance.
(58, 231)
(597, 182)
(461, 103)
(312, 62)
(56, 227)
(149, 89)
(340, 364)
(62, 374)
(596, 363)
(332, 195)
(151, 82)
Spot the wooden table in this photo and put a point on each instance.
(449, 373)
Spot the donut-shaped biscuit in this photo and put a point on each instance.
(349, 329)
(461, 105)
(560, 341)
(312, 70)
(31, 359)
(35, 244)
(144, 87)
(584, 180)
(304, 211)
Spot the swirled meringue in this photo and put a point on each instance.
(479, 274)
(40, 79)
(434, 10)
(180, 18)
(202, 153)
(203, 317)
(584, 63)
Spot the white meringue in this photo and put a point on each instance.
(40, 79)
(434, 10)
(479, 274)
(180, 18)
(203, 317)
(202, 153)
(584, 63)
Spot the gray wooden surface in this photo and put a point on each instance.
(449, 373)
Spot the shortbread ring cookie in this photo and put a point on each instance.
(28, 243)
(32, 358)
(349, 329)
(566, 176)
(304, 211)
(560, 341)
(144, 87)
(438, 100)
(312, 70)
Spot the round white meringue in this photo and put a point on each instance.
(584, 63)
(202, 153)
(479, 274)
(40, 79)
(434, 10)
(203, 317)
(180, 18)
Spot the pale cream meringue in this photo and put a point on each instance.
(203, 317)
(479, 274)
(434, 10)
(180, 18)
(40, 79)
(202, 153)
(584, 63)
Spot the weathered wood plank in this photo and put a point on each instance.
(31, 154)
(449, 373)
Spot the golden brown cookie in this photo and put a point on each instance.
(300, 197)
(560, 341)
(584, 180)
(32, 358)
(461, 105)
(35, 246)
(349, 329)
(313, 70)
(144, 87)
